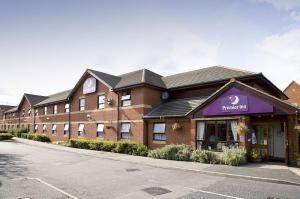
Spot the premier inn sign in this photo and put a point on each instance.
(234, 103)
(89, 85)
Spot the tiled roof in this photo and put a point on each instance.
(34, 99)
(6, 107)
(61, 96)
(176, 108)
(139, 77)
(204, 75)
(14, 109)
(145, 76)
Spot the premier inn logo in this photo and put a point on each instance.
(89, 85)
(234, 103)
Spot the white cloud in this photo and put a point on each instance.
(278, 57)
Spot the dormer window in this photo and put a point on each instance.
(126, 98)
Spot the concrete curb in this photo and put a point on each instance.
(86, 152)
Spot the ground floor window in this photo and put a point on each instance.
(66, 129)
(125, 130)
(44, 128)
(54, 129)
(81, 130)
(159, 131)
(215, 135)
(36, 128)
(100, 130)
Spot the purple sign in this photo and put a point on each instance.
(237, 102)
(89, 85)
(234, 103)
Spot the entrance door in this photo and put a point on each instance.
(276, 141)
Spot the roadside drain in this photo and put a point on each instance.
(156, 191)
(132, 170)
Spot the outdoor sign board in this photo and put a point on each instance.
(89, 86)
(235, 101)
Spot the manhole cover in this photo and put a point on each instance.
(132, 170)
(156, 191)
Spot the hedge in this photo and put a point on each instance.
(230, 156)
(5, 136)
(36, 137)
(125, 147)
(16, 132)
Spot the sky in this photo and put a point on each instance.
(46, 45)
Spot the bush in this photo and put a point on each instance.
(17, 132)
(5, 136)
(234, 156)
(130, 148)
(3, 131)
(35, 137)
(172, 152)
(204, 156)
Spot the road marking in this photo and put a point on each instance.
(213, 193)
(53, 187)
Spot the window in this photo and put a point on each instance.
(55, 109)
(66, 129)
(220, 134)
(125, 130)
(54, 129)
(101, 101)
(36, 128)
(36, 112)
(44, 128)
(159, 131)
(67, 108)
(126, 98)
(81, 130)
(82, 104)
(23, 113)
(100, 130)
(45, 110)
(29, 112)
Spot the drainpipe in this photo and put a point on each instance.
(33, 112)
(69, 117)
(118, 115)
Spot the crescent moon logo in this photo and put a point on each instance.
(234, 100)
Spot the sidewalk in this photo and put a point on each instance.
(274, 173)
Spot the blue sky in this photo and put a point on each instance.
(45, 46)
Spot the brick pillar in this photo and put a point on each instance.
(193, 133)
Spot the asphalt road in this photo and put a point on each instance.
(39, 173)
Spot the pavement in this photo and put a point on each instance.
(29, 169)
(267, 172)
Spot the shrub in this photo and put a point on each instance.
(24, 135)
(17, 132)
(204, 156)
(35, 137)
(172, 152)
(111, 146)
(3, 131)
(234, 156)
(5, 136)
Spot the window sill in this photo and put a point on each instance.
(159, 141)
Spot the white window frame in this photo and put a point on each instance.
(44, 128)
(66, 129)
(100, 130)
(126, 98)
(55, 107)
(45, 110)
(67, 108)
(101, 101)
(54, 129)
(36, 128)
(159, 134)
(36, 112)
(81, 130)
(82, 106)
(125, 133)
